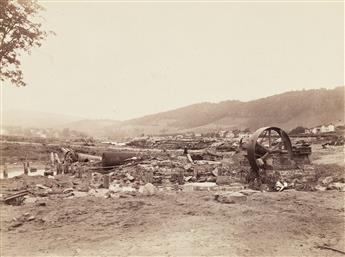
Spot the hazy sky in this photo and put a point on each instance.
(125, 60)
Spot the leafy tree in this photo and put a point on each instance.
(297, 130)
(19, 32)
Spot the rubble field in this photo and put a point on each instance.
(169, 202)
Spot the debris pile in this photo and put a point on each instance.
(171, 143)
(264, 165)
(301, 152)
(308, 178)
(178, 170)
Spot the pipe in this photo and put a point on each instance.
(116, 158)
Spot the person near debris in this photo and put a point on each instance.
(241, 142)
(240, 145)
(185, 150)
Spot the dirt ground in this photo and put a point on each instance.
(176, 223)
(289, 223)
(330, 155)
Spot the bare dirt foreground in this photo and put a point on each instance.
(288, 223)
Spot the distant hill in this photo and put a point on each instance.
(28, 119)
(25, 118)
(101, 127)
(288, 110)
(296, 108)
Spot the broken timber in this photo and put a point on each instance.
(12, 197)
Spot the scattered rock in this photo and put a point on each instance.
(215, 172)
(77, 251)
(188, 166)
(29, 199)
(129, 177)
(43, 193)
(109, 194)
(223, 180)
(101, 192)
(233, 187)
(69, 195)
(79, 193)
(42, 186)
(249, 192)
(264, 188)
(82, 188)
(202, 179)
(30, 218)
(188, 178)
(207, 186)
(148, 189)
(211, 179)
(41, 203)
(327, 180)
(337, 186)
(118, 188)
(67, 190)
(320, 188)
(280, 186)
(231, 197)
(16, 224)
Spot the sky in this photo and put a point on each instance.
(115, 60)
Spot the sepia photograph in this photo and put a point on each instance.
(172, 128)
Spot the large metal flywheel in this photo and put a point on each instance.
(266, 142)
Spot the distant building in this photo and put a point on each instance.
(41, 134)
(316, 130)
(331, 128)
(323, 129)
(308, 131)
(327, 128)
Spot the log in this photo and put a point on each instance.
(72, 156)
(16, 195)
(190, 158)
(116, 158)
(82, 157)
